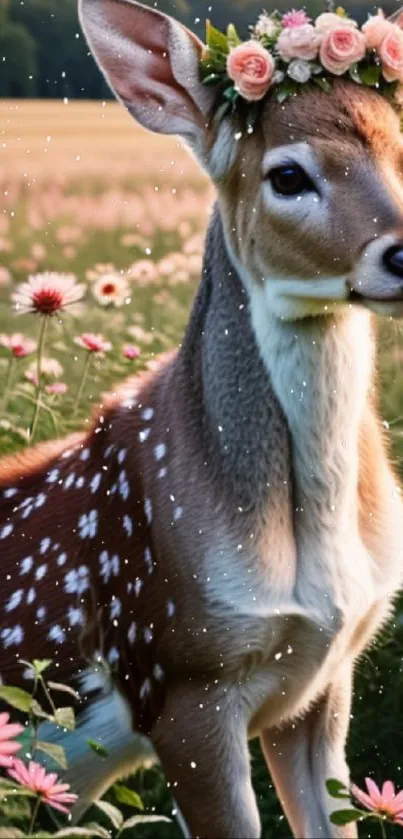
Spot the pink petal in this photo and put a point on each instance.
(374, 792)
(11, 730)
(362, 797)
(388, 792)
(4, 718)
(6, 761)
(399, 800)
(56, 806)
(9, 747)
(57, 789)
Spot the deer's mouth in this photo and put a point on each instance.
(388, 306)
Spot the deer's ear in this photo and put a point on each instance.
(152, 64)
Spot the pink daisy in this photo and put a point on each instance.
(47, 293)
(18, 345)
(57, 388)
(130, 351)
(386, 802)
(8, 746)
(295, 18)
(93, 343)
(47, 786)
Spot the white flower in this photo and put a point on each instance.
(110, 290)
(299, 70)
(265, 26)
(47, 293)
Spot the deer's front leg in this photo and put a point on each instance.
(201, 739)
(303, 755)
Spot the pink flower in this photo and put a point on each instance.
(48, 787)
(295, 18)
(340, 48)
(386, 802)
(93, 343)
(57, 388)
(251, 67)
(19, 346)
(8, 746)
(391, 55)
(298, 42)
(329, 20)
(47, 293)
(130, 351)
(375, 30)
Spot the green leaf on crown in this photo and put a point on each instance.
(233, 38)
(215, 39)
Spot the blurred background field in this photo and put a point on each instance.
(85, 191)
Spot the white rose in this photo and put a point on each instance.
(299, 70)
(265, 26)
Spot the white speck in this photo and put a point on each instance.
(278, 656)
(26, 565)
(147, 414)
(170, 608)
(143, 435)
(40, 572)
(148, 510)
(160, 451)
(193, 765)
(6, 531)
(162, 472)
(14, 600)
(96, 482)
(57, 633)
(289, 650)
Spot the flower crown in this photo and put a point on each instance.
(289, 53)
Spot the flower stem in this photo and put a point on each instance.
(383, 828)
(41, 345)
(82, 384)
(9, 377)
(34, 815)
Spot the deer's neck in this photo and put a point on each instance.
(277, 396)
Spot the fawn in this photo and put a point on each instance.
(207, 563)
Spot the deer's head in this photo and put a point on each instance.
(312, 200)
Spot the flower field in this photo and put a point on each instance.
(101, 240)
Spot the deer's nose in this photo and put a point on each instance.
(393, 260)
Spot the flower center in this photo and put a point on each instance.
(47, 301)
(108, 289)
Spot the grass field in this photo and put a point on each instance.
(87, 192)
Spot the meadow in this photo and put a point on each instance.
(86, 192)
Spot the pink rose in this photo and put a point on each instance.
(391, 55)
(329, 20)
(251, 67)
(298, 42)
(340, 48)
(375, 30)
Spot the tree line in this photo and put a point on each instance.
(43, 52)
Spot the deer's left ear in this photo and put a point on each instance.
(152, 64)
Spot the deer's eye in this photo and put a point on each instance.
(290, 180)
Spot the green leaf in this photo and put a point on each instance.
(38, 711)
(342, 817)
(127, 796)
(354, 74)
(135, 820)
(11, 833)
(370, 74)
(40, 665)
(16, 791)
(213, 78)
(15, 809)
(66, 718)
(57, 753)
(336, 788)
(233, 38)
(63, 689)
(215, 39)
(97, 748)
(16, 697)
(87, 831)
(114, 815)
(323, 83)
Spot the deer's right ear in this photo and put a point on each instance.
(152, 63)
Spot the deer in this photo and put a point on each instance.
(207, 563)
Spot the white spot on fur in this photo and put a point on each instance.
(85, 454)
(124, 489)
(163, 472)
(148, 635)
(53, 476)
(40, 500)
(131, 635)
(80, 482)
(41, 614)
(160, 451)
(149, 560)
(148, 510)
(10, 492)
(77, 580)
(31, 595)
(12, 636)
(158, 672)
(178, 513)
(61, 559)
(6, 531)
(88, 525)
(128, 525)
(122, 455)
(45, 545)
(57, 633)
(95, 483)
(69, 481)
(113, 655)
(145, 689)
(109, 567)
(170, 608)
(26, 565)
(143, 435)
(115, 608)
(147, 414)
(40, 572)
(138, 585)
(75, 616)
(14, 600)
